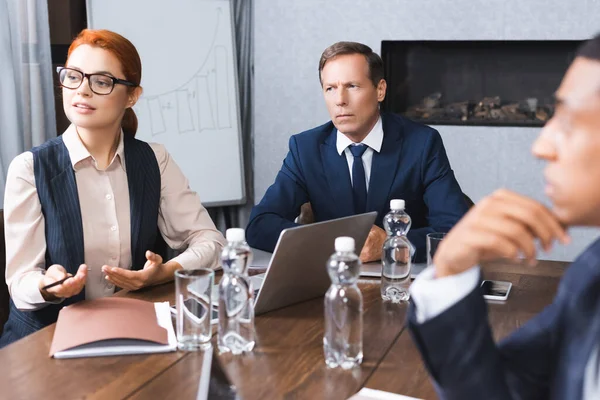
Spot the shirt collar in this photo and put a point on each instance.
(374, 139)
(78, 152)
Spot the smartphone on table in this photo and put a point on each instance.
(496, 290)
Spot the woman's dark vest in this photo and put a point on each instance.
(57, 191)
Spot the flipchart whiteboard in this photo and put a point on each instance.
(190, 99)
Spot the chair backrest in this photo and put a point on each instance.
(4, 296)
(468, 201)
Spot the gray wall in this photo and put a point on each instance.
(289, 39)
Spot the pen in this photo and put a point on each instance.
(56, 283)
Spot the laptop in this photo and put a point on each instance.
(262, 259)
(297, 270)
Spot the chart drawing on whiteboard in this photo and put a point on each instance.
(190, 99)
(202, 103)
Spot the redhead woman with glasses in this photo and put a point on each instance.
(91, 210)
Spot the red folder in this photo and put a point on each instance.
(106, 319)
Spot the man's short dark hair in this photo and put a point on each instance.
(342, 48)
(590, 49)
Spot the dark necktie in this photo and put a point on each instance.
(359, 184)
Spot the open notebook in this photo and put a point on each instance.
(113, 326)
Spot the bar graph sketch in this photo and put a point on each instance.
(190, 99)
(202, 103)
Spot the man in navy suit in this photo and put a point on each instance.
(359, 161)
(557, 353)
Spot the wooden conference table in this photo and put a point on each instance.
(287, 362)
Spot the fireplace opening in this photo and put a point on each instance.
(491, 83)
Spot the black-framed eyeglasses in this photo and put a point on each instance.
(99, 83)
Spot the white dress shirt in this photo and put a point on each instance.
(434, 296)
(374, 140)
(105, 216)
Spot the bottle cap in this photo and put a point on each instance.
(344, 243)
(397, 204)
(235, 235)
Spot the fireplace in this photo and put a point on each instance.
(492, 83)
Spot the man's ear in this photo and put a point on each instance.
(134, 96)
(381, 89)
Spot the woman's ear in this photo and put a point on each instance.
(134, 96)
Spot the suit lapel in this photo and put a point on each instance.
(384, 166)
(336, 170)
(64, 193)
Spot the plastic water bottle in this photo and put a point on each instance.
(236, 298)
(396, 254)
(342, 342)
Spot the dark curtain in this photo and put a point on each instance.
(237, 216)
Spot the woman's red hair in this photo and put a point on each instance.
(127, 55)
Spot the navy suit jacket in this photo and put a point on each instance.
(412, 165)
(544, 359)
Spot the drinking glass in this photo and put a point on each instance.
(193, 290)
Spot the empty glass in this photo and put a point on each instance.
(433, 241)
(193, 290)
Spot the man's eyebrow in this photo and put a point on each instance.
(345, 83)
